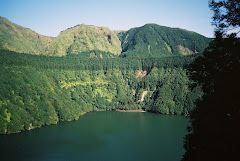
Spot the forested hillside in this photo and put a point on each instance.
(20, 39)
(41, 90)
(88, 68)
(213, 134)
(84, 38)
(150, 40)
(160, 41)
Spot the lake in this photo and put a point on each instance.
(101, 136)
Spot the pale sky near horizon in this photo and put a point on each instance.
(50, 17)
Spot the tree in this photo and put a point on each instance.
(226, 14)
(214, 134)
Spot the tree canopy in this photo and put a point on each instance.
(42, 90)
(214, 134)
(226, 14)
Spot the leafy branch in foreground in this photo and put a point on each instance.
(214, 134)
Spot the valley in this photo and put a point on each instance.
(88, 68)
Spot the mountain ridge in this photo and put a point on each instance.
(155, 40)
(150, 40)
(84, 38)
(17, 38)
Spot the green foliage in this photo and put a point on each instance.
(84, 38)
(17, 38)
(8, 116)
(150, 40)
(87, 74)
(40, 97)
(41, 90)
(77, 62)
(169, 91)
(75, 40)
(226, 14)
(159, 41)
(213, 134)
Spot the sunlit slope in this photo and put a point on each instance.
(84, 38)
(150, 40)
(155, 40)
(20, 39)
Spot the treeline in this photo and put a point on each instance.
(79, 62)
(213, 134)
(31, 98)
(40, 90)
(167, 92)
(218, 112)
(152, 40)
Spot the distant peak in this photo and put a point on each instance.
(87, 26)
(149, 24)
(3, 18)
(154, 24)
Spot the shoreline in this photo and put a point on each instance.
(33, 128)
(118, 110)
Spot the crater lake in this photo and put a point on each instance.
(101, 136)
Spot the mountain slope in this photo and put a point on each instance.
(43, 90)
(84, 38)
(17, 38)
(155, 40)
(150, 40)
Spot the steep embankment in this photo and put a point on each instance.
(31, 98)
(166, 91)
(84, 38)
(20, 39)
(159, 41)
(40, 90)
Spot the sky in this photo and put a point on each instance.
(50, 17)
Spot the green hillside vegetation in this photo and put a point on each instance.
(17, 38)
(41, 90)
(167, 91)
(88, 68)
(160, 41)
(213, 133)
(84, 38)
(150, 40)
(77, 62)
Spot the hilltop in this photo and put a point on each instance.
(59, 79)
(154, 40)
(84, 38)
(150, 40)
(16, 38)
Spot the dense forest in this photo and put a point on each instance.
(41, 90)
(14, 37)
(214, 134)
(87, 68)
(150, 40)
(44, 80)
